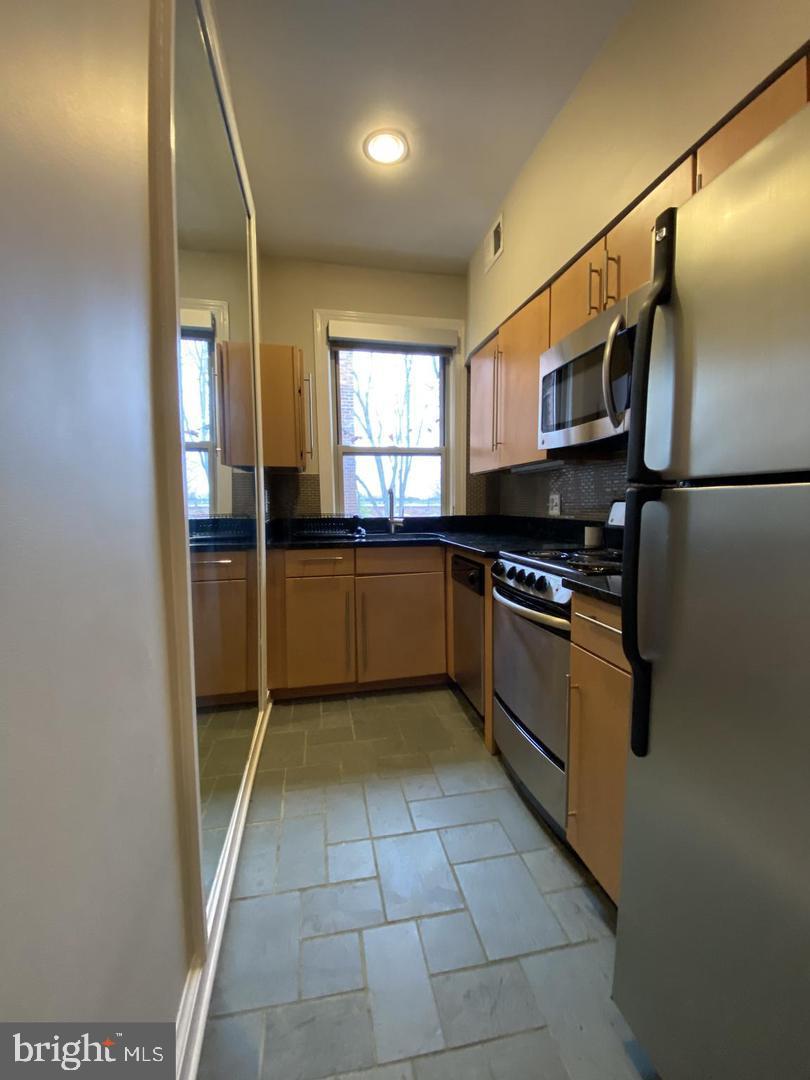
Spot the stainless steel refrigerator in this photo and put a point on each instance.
(713, 949)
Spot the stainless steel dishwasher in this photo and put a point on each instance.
(468, 629)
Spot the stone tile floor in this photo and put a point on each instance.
(399, 914)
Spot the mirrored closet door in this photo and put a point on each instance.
(219, 432)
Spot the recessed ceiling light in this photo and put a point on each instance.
(386, 147)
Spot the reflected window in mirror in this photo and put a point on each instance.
(199, 419)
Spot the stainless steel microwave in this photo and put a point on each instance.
(585, 378)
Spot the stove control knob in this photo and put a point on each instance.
(541, 583)
(530, 579)
(510, 573)
(498, 567)
(521, 576)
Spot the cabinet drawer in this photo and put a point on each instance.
(597, 627)
(319, 562)
(218, 565)
(400, 560)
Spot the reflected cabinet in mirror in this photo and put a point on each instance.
(217, 404)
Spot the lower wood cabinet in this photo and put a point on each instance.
(400, 626)
(599, 736)
(320, 630)
(220, 623)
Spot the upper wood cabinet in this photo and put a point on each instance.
(283, 420)
(522, 339)
(400, 626)
(320, 645)
(577, 294)
(484, 454)
(628, 251)
(751, 125)
(599, 739)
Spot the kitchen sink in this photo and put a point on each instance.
(405, 536)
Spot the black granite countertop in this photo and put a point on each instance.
(601, 586)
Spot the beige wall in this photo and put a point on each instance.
(213, 275)
(669, 73)
(92, 922)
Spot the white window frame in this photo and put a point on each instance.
(198, 314)
(366, 326)
(439, 451)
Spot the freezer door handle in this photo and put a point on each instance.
(659, 294)
(636, 500)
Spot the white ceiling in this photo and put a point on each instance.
(473, 84)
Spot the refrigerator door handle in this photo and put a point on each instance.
(660, 293)
(636, 500)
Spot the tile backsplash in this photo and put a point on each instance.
(586, 489)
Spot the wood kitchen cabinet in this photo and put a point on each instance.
(628, 247)
(400, 626)
(484, 453)
(522, 340)
(220, 624)
(577, 294)
(751, 125)
(286, 434)
(320, 630)
(599, 742)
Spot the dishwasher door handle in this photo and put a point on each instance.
(538, 617)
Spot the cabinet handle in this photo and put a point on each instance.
(324, 558)
(573, 744)
(594, 272)
(348, 634)
(494, 433)
(617, 259)
(363, 634)
(498, 358)
(213, 562)
(311, 450)
(598, 622)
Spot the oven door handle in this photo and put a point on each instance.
(538, 617)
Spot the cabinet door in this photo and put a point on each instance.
(576, 295)
(319, 631)
(282, 406)
(599, 739)
(401, 627)
(484, 455)
(751, 125)
(522, 339)
(628, 258)
(236, 404)
(220, 620)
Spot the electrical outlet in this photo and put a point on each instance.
(554, 504)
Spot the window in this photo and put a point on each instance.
(197, 394)
(390, 430)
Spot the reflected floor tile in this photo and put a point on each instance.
(221, 801)
(531, 1055)
(484, 1002)
(212, 841)
(465, 843)
(258, 964)
(232, 1048)
(450, 942)
(509, 913)
(316, 1039)
(415, 876)
(228, 756)
(330, 965)
(333, 908)
(351, 861)
(404, 1012)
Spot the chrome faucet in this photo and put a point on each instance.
(393, 523)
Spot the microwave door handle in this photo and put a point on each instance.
(659, 294)
(616, 326)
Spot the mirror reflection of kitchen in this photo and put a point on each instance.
(218, 416)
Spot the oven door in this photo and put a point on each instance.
(530, 663)
(585, 380)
